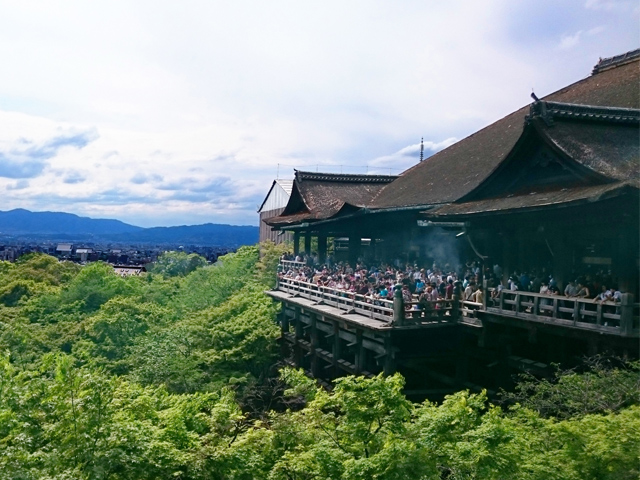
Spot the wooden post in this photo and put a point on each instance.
(284, 329)
(296, 243)
(337, 347)
(307, 244)
(322, 248)
(398, 306)
(360, 353)
(389, 367)
(626, 314)
(455, 302)
(485, 290)
(576, 311)
(314, 344)
(354, 249)
(299, 334)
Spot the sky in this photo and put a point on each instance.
(162, 113)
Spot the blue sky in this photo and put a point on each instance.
(171, 113)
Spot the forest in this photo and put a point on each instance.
(175, 374)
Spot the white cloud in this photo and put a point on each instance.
(408, 156)
(596, 30)
(570, 41)
(186, 95)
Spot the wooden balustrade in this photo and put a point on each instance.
(620, 318)
(286, 264)
(616, 317)
(380, 309)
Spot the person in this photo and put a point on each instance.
(583, 290)
(604, 296)
(468, 291)
(571, 290)
(478, 295)
(495, 294)
(544, 290)
(406, 294)
(448, 292)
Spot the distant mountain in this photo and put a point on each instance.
(22, 221)
(68, 227)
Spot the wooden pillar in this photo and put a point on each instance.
(624, 261)
(360, 353)
(389, 367)
(398, 306)
(626, 314)
(322, 248)
(455, 301)
(296, 243)
(315, 341)
(562, 261)
(337, 348)
(299, 333)
(508, 262)
(284, 329)
(307, 244)
(354, 248)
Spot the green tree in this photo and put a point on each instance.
(177, 264)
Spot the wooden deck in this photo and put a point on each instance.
(619, 319)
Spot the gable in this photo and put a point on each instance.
(535, 165)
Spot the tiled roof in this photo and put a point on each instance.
(616, 61)
(318, 196)
(457, 170)
(532, 200)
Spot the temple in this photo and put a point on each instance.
(551, 187)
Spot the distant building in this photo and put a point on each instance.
(128, 270)
(64, 250)
(83, 253)
(272, 206)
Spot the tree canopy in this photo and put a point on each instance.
(174, 374)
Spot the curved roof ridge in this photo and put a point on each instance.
(343, 177)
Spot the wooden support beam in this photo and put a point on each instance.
(315, 342)
(360, 353)
(296, 243)
(307, 244)
(322, 248)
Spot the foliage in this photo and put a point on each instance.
(177, 264)
(171, 375)
(607, 385)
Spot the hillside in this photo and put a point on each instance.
(20, 221)
(58, 226)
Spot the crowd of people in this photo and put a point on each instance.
(422, 285)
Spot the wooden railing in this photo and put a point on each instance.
(614, 317)
(380, 309)
(620, 318)
(287, 264)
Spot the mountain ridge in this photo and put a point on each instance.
(25, 223)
